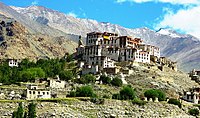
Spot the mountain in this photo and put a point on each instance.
(21, 37)
(179, 47)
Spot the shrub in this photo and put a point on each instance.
(193, 112)
(19, 113)
(97, 100)
(161, 95)
(106, 96)
(32, 110)
(85, 91)
(127, 93)
(88, 78)
(138, 102)
(72, 94)
(151, 94)
(116, 96)
(105, 79)
(116, 82)
(69, 58)
(32, 73)
(155, 93)
(66, 75)
(175, 102)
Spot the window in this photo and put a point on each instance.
(33, 92)
(29, 92)
(47, 93)
(43, 93)
(38, 92)
(188, 97)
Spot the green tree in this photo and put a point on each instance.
(127, 93)
(151, 94)
(84, 91)
(19, 113)
(32, 110)
(66, 75)
(116, 82)
(105, 79)
(193, 112)
(25, 64)
(155, 93)
(69, 58)
(161, 95)
(31, 74)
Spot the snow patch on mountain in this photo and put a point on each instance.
(168, 32)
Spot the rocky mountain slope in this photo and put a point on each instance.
(179, 47)
(17, 42)
(144, 77)
(32, 26)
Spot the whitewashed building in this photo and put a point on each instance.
(33, 92)
(102, 50)
(13, 62)
(192, 95)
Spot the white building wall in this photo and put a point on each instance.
(142, 57)
(13, 63)
(57, 84)
(36, 94)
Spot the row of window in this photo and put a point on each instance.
(137, 57)
(108, 41)
(39, 92)
(13, 63)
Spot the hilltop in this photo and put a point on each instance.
(182, 48)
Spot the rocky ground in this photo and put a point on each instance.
(110, 109)
(149, 76)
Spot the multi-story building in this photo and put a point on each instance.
(33, 92)
(195, 75)
(102, 50)
(192, 95)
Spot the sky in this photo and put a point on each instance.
(180, 15)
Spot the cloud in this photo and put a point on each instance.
(72, 14)
(186, 20)
(181, 2)
(35, 2)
